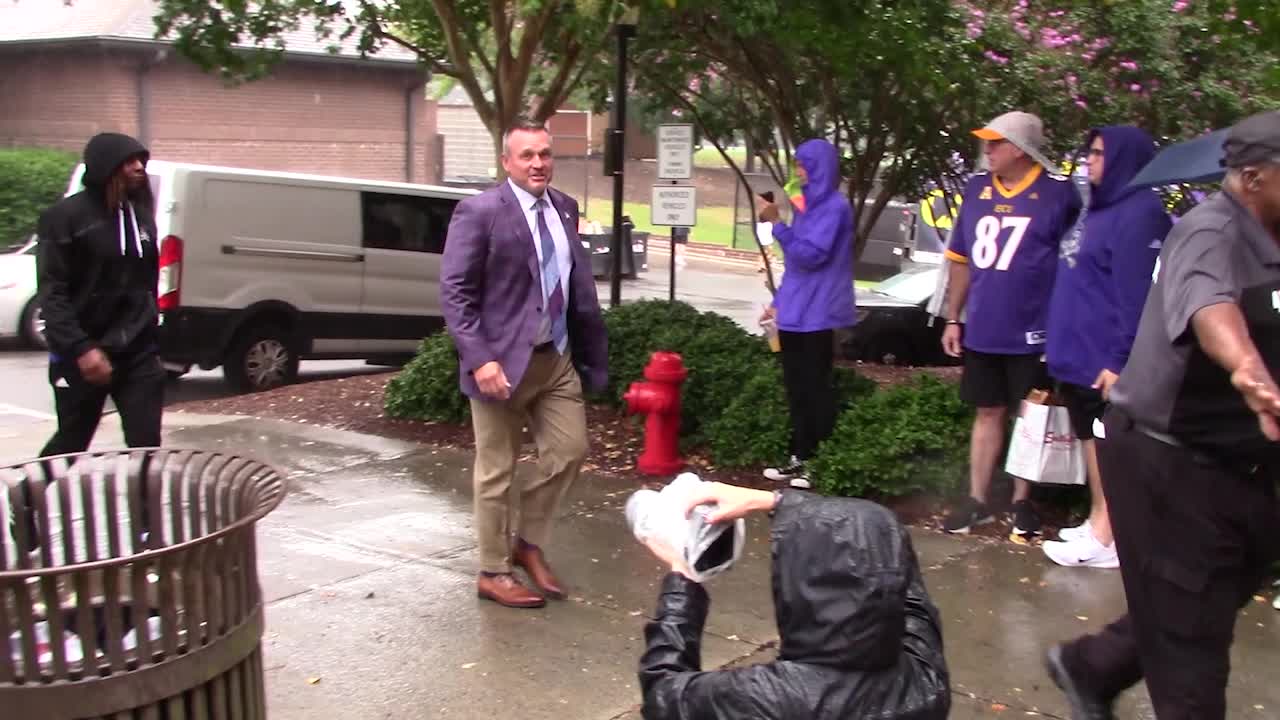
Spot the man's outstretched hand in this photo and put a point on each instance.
(1263, 397)
(731, 502)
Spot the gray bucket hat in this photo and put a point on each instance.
(1023, 129)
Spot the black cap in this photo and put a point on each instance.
(1253, 140)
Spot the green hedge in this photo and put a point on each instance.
(427, 388)
(886, 442)
(31, 179)
(721, 357)
(896, 441)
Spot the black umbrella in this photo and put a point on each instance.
(1192, 161)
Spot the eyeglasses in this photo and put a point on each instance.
(1095, 152)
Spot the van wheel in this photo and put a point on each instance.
(260, 358)
(891, 350)
(32, 328)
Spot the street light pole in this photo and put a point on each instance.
(617, 135)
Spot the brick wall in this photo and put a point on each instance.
(307, 117)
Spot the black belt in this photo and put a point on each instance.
(1200, 455)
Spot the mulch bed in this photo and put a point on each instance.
(355, 403)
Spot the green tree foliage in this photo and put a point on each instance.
(504, 53)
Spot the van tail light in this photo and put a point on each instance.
(169, 286)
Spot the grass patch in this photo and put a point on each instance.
(715, 224)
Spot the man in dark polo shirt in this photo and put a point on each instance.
(1191, 451)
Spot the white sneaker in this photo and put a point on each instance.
(792, 469)
(1079, 532)
(1084, 552)
(800, 483)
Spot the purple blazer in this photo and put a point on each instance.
(491, 290)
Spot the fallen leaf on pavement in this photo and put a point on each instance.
(313, 680)
(468, 666)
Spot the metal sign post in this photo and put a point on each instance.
(674, 205)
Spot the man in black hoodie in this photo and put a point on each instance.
(97, 271)
(860, 637)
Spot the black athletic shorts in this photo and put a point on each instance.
(1085, 405)
(1001, 380)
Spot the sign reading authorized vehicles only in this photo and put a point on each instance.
(674, 206)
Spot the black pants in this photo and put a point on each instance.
(1195, 540)
(137, 387)
(807, 359)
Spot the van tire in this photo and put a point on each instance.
(260, 358)
(31, 331)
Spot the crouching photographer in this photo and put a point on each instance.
(859, 636)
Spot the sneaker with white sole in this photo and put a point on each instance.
(1069, 534)
(800, 482)
(965, 515)
(1083, 552)
(793, 469)
(1026, 521)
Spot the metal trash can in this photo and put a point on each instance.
(129, 585)
(635, 251)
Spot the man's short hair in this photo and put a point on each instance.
(522, 124)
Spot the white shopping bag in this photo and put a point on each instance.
(1044, 448)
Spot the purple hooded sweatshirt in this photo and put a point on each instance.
(817, 287)
(1105, 265)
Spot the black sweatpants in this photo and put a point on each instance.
(137, 387)
(807, 359)
(1195, 539)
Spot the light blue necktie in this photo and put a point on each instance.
(552, 291)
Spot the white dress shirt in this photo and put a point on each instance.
(564, 260)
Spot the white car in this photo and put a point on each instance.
(19, 316)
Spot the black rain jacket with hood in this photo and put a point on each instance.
(860, 637)
(97, 270)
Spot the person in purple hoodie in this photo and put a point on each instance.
(1104, 273)
(815, 298)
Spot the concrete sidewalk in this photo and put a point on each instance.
(369, 572)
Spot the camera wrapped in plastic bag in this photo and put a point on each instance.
(707, 549)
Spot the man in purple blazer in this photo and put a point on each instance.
(520, 301)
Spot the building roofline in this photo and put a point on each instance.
(128, 43)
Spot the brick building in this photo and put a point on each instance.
(69, 71)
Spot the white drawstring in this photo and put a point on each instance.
(133, 220)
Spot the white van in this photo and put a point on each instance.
(259, 270)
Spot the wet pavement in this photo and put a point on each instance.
(368, 571)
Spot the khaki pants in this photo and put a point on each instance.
(549, 400)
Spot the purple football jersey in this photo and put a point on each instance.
(1009, 239)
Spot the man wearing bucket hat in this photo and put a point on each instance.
(1191, 451)
(1003, 255)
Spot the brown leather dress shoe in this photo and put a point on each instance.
(532, 560)
(507, 590)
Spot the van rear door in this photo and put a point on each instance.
(404, 239)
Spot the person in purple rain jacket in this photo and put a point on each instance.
(815, 299)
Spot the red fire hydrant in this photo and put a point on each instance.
(660, 399)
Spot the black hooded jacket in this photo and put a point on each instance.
(860, 637)
(96, 289)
